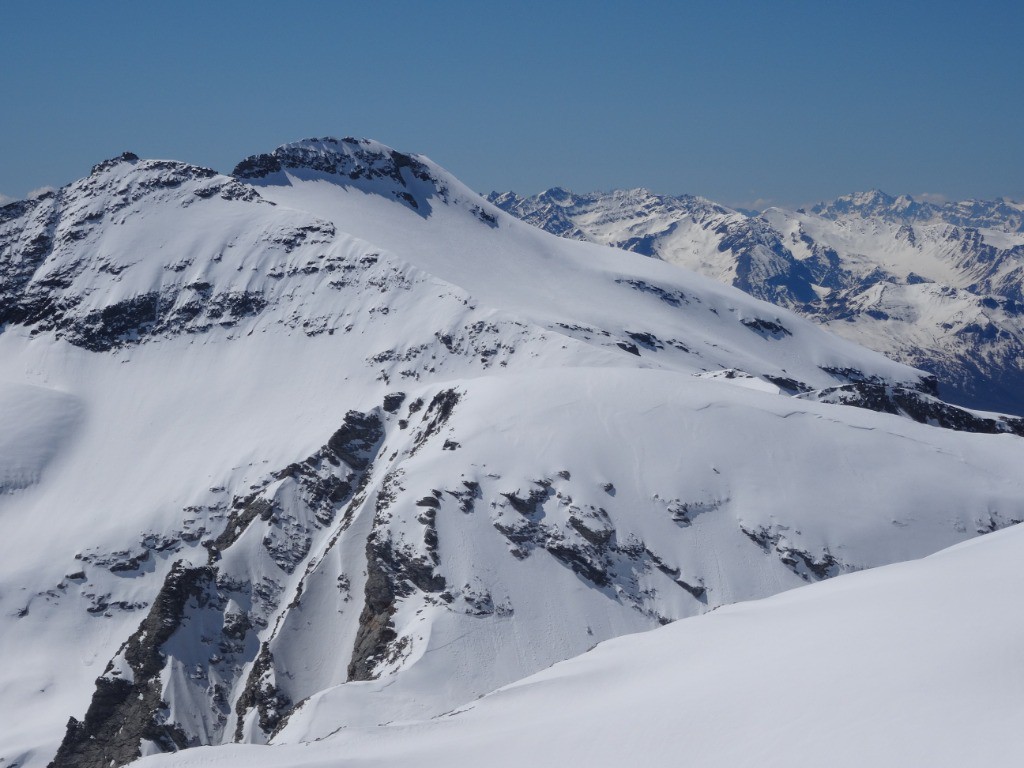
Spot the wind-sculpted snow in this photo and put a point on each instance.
(35, 423)
(286, 454)
(937, 286)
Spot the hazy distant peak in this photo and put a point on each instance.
(1001, 214)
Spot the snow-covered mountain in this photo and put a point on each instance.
(332, 442)
(937, 286)
(910, 664)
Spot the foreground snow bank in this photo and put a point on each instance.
(916, 663)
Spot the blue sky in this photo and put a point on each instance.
(743, 102)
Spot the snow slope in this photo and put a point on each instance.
(35, 423)
(936, 286)
(911, 664)
(333, 442)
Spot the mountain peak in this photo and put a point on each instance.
(354, 158)
(875, 204)
(363, 163)
(124, 157)
(557, 194)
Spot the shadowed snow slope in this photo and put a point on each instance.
(334, 442)
(910, 664)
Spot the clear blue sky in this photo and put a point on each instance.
(789, 102)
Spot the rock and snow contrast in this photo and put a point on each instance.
(914, 664)
(937, 286)
(308, 454)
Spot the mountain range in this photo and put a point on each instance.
(937, 286)
(318, 453)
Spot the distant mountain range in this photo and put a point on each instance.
(937, 286)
